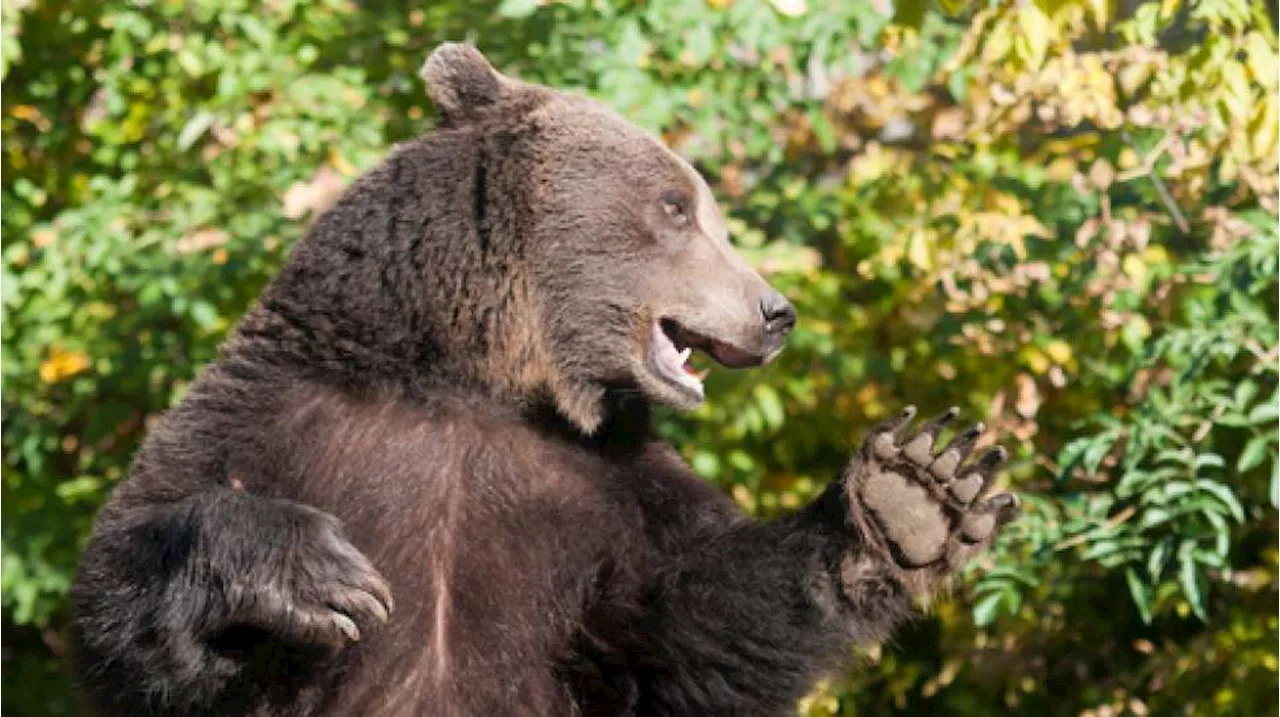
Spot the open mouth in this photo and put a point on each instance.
(671, 345)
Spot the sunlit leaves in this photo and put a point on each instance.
(1174, 489)
(10, 29)
(517, 9)
(138, 228)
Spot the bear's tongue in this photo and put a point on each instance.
(669, 361)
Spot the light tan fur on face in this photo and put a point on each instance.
(521, 365)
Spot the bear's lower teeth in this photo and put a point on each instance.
(671, 362)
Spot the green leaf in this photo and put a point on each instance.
(1265, 413)
(1167, 492)
(985, 612)
(1212, 460)
(1140, 592)
(909, 13)
(517, 9)
(1244, 393)
(1013, 574)
(203, 313)
(257, 31)
(78, 489)
(1233, 419)
(1225, 495)
(1096, 451)
(1152, 517)
(1070, 455)
(1253, 454)
(1101, 548)
(194, 129)
(1275, 481)
(706, 464)
(1190, 580)
(191, 62)
(770, 405)
(1158, 558)
(1181, 456)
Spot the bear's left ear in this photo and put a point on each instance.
(461, 82)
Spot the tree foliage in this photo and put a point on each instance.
(1059, 215)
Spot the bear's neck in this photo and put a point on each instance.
(626, 424)
(274, 349)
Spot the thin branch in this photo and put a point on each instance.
(1111, 522)
(1162, 191)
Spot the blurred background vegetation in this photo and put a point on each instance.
(1058, 214)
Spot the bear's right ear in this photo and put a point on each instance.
(461, 82)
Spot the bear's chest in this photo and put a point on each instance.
(496, 540)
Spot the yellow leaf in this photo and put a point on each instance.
(1237, 94)
(1261, 58)
(1128, 159)
(790, 8)
(997, 44)
(918, 251)
(1155, 254)
(340, 163)
(873, 164)
(1135, 268)
(1037, 32)
(1062, 169)
(1264, 132)
(1059, 351)
(1137, 327)
(1131, 77)
(1101, 12)
(61, 364)
(1035, 360)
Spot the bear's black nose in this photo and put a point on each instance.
(779, 315)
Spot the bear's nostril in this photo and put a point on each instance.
(779, 316)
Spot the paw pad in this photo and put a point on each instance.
(929, 505)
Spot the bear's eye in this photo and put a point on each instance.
(676, 206)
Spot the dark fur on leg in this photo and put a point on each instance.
(216, 593)
(744, 624)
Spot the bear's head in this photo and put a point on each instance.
(535, 245)
(626, 255)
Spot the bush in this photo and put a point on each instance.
(1059, 216)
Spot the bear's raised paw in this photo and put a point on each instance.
(932, 509)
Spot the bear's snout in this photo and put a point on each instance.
(779, 317)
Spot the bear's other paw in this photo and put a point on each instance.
(930, 508)
(320, 592)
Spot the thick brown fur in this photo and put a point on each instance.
(421, 478)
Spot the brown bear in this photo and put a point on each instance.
(421, 477)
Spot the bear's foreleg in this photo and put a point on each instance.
(748, 621)
(180, 598)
